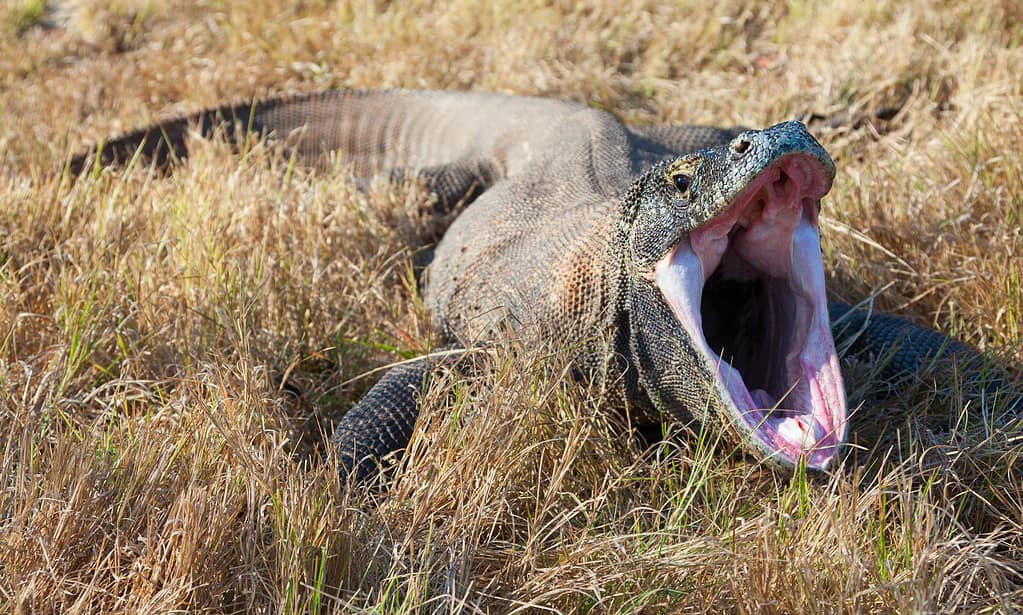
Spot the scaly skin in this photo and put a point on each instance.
(585, 229)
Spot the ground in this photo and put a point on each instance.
(172, 349)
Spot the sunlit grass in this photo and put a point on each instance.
(174, 348)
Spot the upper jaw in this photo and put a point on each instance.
(795, 412)
(728, 175)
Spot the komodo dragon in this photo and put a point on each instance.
(683, 261)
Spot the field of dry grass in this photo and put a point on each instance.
(172, 349)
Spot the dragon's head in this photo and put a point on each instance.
(724, 292)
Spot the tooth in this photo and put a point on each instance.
(708, 246)
(797, 431)
(681, 279)
(774, 188)
(799, 171)
(806, 270)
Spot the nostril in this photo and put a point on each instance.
(740, 146)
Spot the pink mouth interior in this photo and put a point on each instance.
(749, 288)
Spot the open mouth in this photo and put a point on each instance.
(748, 287)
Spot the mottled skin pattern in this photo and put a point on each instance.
(571, 209)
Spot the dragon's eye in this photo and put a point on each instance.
(681, 182)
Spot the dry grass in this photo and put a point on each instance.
(172, 349)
